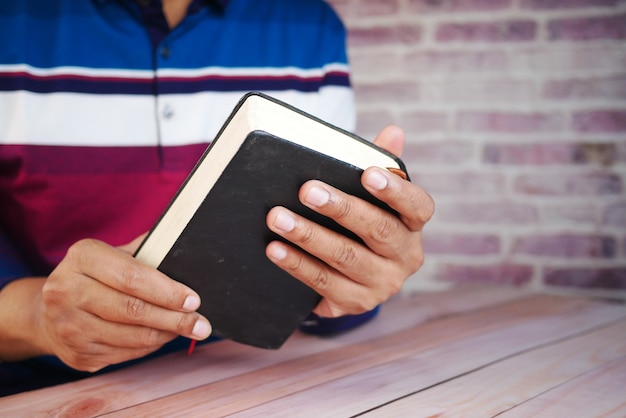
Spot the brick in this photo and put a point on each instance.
(530, 154)
(464, 244)
(438, 62)
(509, 31)
(440, 152)
(588, 28)
(473, 91)
(419, 122)
(376, 7)
(566, 246)
(558, 59)
(607, 121)
(391, 91)
(599, 153)
(374, 64)
(603, 154)
(569, 214)
(575, 184)
(566, 4)
(429, 6)
(384, 35)
(370, 123)
(521, 123)
(489, 213)
(513, 274)
(615, 215)
(606, 278)
(586, 88)
(619, 156)
(473, 183)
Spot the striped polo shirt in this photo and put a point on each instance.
(104, 111)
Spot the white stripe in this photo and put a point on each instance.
(77, 71)
(172, 72)
(261, 71)
(137, 120)
(76, 119)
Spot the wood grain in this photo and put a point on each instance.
(597, 393)
(439, 365)
(291, 377)
(464, 352)
(503, 385)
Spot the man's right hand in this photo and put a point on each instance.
(100, 306)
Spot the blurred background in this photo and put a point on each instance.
(515, 114)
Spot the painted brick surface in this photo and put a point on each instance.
(515, 115)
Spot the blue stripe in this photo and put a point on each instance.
(54, 33)
(164, 86)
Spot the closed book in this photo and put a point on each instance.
(213, 234)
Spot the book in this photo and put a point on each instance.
(213, 234)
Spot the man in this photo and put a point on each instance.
(105, 105)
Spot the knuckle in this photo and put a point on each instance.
(51, 293)
(136, 309)
(385, 228)
(307, 235)
(66, 332)
(80, 249)
(320, 280)
(342, 209)
(149, 337)
(184, 324)
(415, 261)
(129, 276)
(428, 208)
(345, 256)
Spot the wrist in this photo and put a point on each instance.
(21, 336)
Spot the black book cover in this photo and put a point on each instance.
(221, 252)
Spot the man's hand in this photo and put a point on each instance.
(100, 306)
(353, 278)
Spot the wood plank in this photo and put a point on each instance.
(361, 391)
(281, 380)
(598, 393)
(214, 362)
(503, 385)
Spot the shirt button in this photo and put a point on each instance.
(168, 112)
(164, 52)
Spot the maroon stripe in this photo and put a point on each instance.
(44, 159)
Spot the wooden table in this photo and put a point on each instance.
(464, 352)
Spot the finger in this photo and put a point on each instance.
(119, 308)
(392, 139)
(347, 296)
(132, 246)
(97, 355)
(119, 270)
(353, 261)
(382, 231)
(414, 206)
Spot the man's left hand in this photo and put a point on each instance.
(352, 277)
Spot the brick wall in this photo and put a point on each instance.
(515, 112)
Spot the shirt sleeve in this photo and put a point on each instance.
(12, 265)
(318, 325)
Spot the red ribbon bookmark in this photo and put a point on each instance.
(192, 346)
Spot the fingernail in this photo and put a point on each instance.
(192, 303)
(285, 222)
(317, 196)
(277, 252)
(201, 329)
(376, 180)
